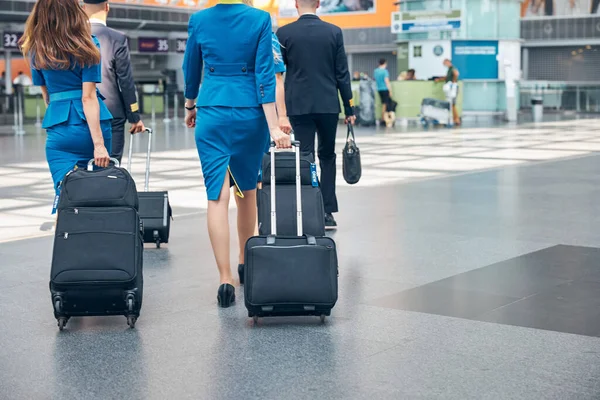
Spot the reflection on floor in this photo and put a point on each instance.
(468, 270)
(387, 158)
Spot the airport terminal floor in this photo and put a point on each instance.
(469, 268)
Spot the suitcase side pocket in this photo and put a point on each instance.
(290, 275)
(94, 257)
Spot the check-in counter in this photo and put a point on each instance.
(408, 95)
(31, 103)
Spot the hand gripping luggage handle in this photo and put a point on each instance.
(296, 149)
(90, 165)
(147, 178)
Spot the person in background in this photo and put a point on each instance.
(22, 80)
(384, 87)
(65, 62)
(451, 76)
(402, 76)
(410, 75)
(313, 52)
(3, 83)
(356, 76)
(117, 84)
(236, 106)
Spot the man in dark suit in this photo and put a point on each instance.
(117, 78)
(317, 67)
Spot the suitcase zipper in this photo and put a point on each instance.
(65, 235)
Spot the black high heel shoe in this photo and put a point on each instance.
(241, 273)
(226, 295)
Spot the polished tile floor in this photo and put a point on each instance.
(469, 269)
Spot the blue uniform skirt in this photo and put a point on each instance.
(230, 140)
(70, 145)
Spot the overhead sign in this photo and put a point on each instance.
(153, 45)
(180, 45)
(287, 8)
(559, 8)
(425, 21)
(475, 59)
(193, 4)
(10, 40)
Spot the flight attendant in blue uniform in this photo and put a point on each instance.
(232, 43)
(66, 64)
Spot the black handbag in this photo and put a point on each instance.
(351, 165)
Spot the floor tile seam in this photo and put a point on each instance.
(462, 320)
(39, 202)
(523, 298)
(28, 237)
(437, 284)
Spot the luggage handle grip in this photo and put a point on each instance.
(90, 164)
(147, 177)
(296, 150)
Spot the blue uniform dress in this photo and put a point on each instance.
(68, 141)
(232, 43)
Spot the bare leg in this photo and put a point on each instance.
(455, 115)
(383, 111)
(218, 231)
(246, 220)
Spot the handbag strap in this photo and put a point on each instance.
(350, 132)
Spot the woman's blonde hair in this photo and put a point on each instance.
(276, 55)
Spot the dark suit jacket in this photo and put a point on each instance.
(317, 67)
(117, 78)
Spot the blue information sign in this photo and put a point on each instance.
(426, 26)
(476, 59)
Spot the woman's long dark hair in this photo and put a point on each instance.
(58, 35)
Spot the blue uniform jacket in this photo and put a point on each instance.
(233, 43)
(68, 80)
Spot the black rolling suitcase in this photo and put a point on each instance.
(290, 275)
(155, 209)
(313, 212)
(313, 219)
(98, 249)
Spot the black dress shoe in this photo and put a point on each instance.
(241, 273)
(226, 295)
(330, 222)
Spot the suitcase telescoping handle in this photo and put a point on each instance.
(90, 165)
(273, 150)
(147, 178)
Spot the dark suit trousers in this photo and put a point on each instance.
(325, 126)
(118, 138)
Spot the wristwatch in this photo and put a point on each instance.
(190, 108)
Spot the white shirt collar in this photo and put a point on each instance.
(97, 21)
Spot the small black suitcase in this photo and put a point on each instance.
(98, 255)
(290, 275)
(155, 209)
(313, 212)
(285, 168)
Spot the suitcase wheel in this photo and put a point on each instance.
(255, 319)
(131, 321)
(58, 305)
(62, 322)
(322, 318)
